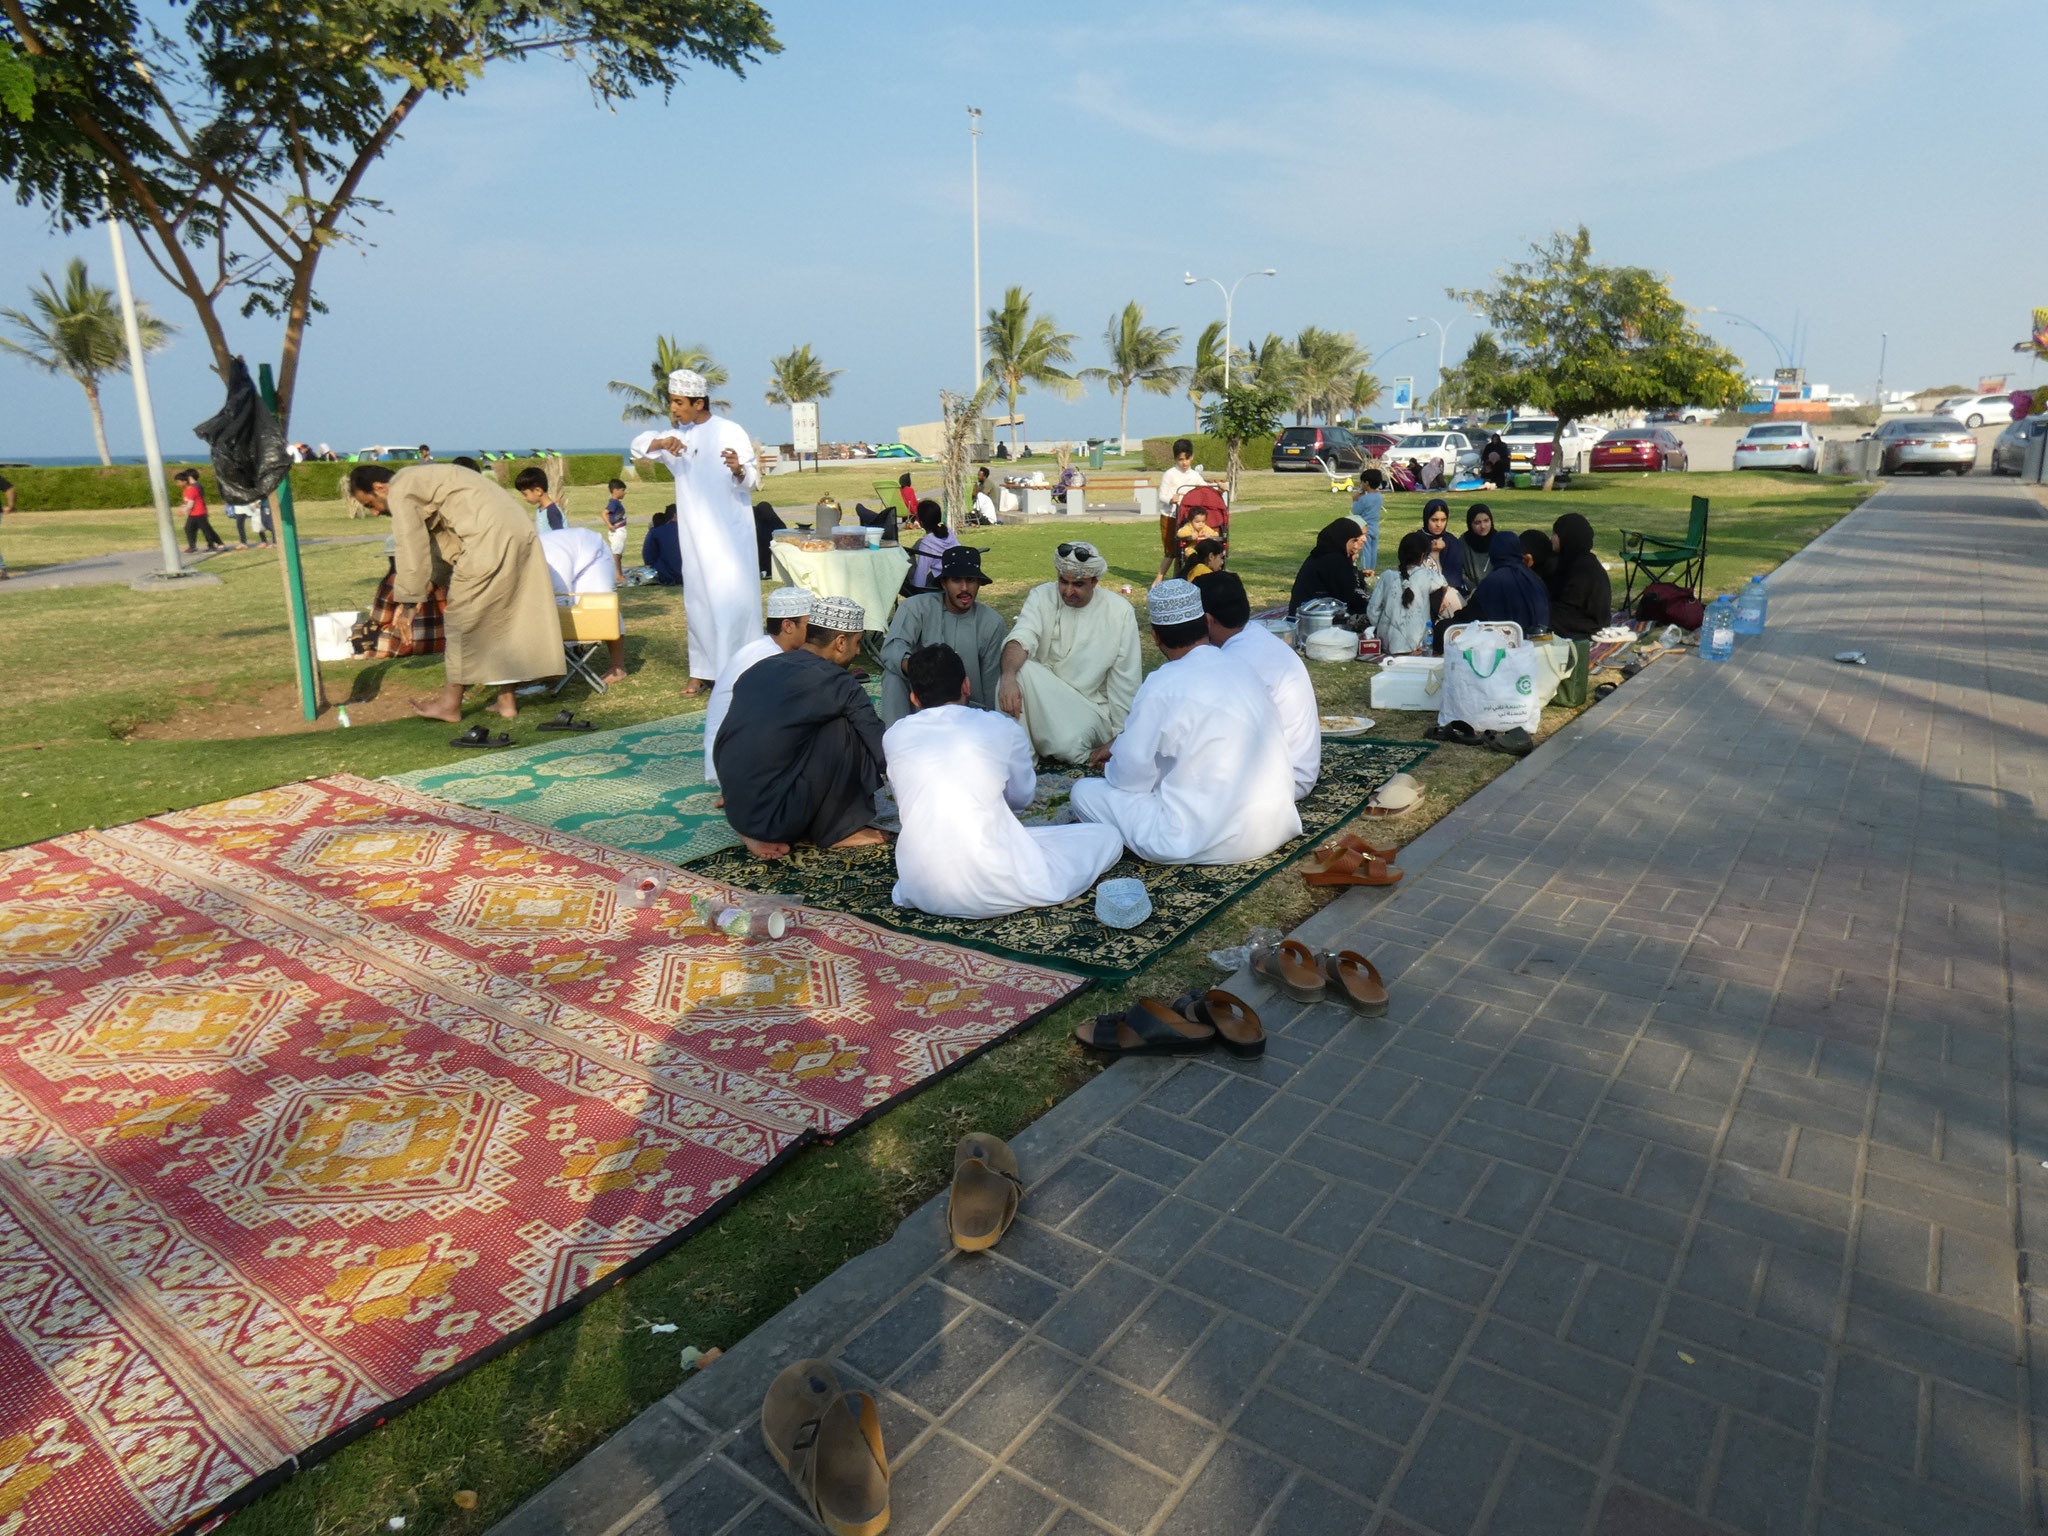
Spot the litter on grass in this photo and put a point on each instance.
(1852, 658)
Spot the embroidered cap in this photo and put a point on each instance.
(1174, 602)
(789, 603)
(839, 614)
(689, 384)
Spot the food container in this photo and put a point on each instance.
(849, 538)
(1279, 629)
(1311, 618)
(1332, 645)
(874, 537)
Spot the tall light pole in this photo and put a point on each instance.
(974, 154)
(131, 327)
(1442, 333)
(1883, 341)
(1229, 297)
(1777, 346)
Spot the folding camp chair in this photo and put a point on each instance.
(1683, 561)
(589, 620)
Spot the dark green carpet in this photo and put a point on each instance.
(859, 880)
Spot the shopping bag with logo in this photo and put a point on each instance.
(1490, 686)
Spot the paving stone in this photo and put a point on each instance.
(1332, 1386)
(1542, 1496)
(1003, 1506)
(1540, 1358)
(1097, 1309)
(1763, 1479)
(1301, 1267)
(1089, 1475)
(1001, 1287)
(1146, 1159)
(1882, 1492)
(1063, 1262)
(767, 1520)
(1405, 1259)
(704, 1503)
(1224, 1179)
(1331, 1450)
(1418, 1348)
(1214, 1381)
(1163, 1238)
(1236, 1102)
(1004, 1406)
(942, 1375)
(1614, 1315)
(1184, 1137)
(1161, 1337)
(1447, 1482)
(1530, 1410)
(1667, 1441)
(1115, 1210)
(1230, 1493)
(1625, 1512)
(1737, 1383)
(1477, 1244)
(1310, 1509)
(1134, 1424)
(1509, 1198)
(1336, 1221)
(923, 1490)
(1072, 1185)
(888, 1342)
(1347, 1320)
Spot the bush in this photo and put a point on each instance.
(1211, 453)
(93, 488)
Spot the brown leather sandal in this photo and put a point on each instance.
(1350, 868)
(1237, 1026)
(1353, 843)
(829, 1443)
(986, 1188)
(1147, 1028)
(1355, 982)
(1291, 966)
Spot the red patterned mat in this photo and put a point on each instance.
(311, 1098)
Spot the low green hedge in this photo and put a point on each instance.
(94, 488)
(1211, 453)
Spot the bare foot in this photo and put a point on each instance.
(693, 687)
(428, 710)
(718, 804)
(761, 850)
(866, 837)
(616, 675)
(505, 711)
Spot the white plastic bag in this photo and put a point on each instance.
(1491, 686)
(331, 635)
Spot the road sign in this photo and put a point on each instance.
(803, 426)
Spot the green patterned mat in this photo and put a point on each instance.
(858, 881)
(640, 790)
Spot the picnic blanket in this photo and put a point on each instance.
(315, 1098)
(860, 880)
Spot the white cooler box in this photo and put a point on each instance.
(1407, 682)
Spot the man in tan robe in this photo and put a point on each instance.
(501, 619)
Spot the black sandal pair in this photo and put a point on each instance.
(480, 736)
(1514, 741)
(1195, 1021)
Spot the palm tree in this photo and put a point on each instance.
(1365, 393)
(644, 404)
(1139, 354)
(1023, 350)
(79, 335)
(797, 375)
(1205, 378)
(1329, 360)
(1270, 365)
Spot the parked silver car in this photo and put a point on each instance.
(1975, 410)
(2009, 453)
(1779, 445)
(1932, 443)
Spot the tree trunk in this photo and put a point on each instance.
(99, 423)
(1123, 422)
(1011, 396)
(1556, 455)
(1232, 464)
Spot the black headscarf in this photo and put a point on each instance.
(1536, 547)
(1478, 547)
(1511, 590)
(1329, 571)
(1581, 595)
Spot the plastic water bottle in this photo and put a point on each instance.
(1717, 630)
(1750, 607)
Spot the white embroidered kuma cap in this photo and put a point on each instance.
(789, 603)
(1174, 602)
(688, 384)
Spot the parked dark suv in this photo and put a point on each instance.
(1338, 447)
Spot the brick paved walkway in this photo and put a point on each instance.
(1678, 1195)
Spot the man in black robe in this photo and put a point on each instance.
(800, 752)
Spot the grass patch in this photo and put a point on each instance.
(114, 694)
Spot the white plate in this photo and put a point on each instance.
(1346, 725)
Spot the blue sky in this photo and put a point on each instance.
(1855, 167)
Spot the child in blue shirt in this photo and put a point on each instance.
(1365, 511)
(615, 523)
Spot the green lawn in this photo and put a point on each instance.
(126, 704)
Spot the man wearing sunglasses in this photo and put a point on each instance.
(1072, 664)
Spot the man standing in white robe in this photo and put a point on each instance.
(1072, 663)
(789, 620)
(1200, 773)
(716, 472)
(959, 775)
(1276, 665)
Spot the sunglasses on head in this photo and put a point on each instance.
(1069, 551)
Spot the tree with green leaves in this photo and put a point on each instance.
(1270, 364)
(1365, 394)
(1480, 380)
(1580, 339)
(236, 137)
(77, 331)
(1141, 355)
(1326, 363)
(798, 375)
(651, 405)
(1026, 349)
(17, 83)
(1205, 377)
(1241, 412)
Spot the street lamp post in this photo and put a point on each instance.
(1386, 352)
(974, 152)
(1883, 341)
(1777, 346)
(1442, 333)
(1229, 295)
(131, 329)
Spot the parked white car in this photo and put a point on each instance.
(1453, 450)
(1523, 436)
(1975, 410)
(1779, 445)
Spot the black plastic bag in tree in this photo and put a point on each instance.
(250, 455)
